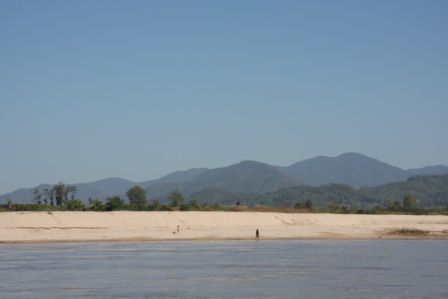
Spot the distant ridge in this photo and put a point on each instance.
(429, 170)
(182, 175)
(350, 168)
(252, 177)
(243, 177)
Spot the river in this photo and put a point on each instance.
(226, 269)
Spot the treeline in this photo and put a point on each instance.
(408, 206)
(58, 195)
(57, 199)
(62, 198)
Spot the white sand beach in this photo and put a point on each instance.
(144, 226)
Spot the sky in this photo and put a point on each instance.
(138, 89)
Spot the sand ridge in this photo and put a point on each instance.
(135, 226)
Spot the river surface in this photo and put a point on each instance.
(226, 269)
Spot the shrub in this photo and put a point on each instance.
(96, 205)
(308, 204)
(74, 205)
(114, 203)
(176, 199)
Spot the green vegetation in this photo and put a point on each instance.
(423, 192)
(59, 194)
(74, 205)
(409, 202)
(114, 203)
(96, 204)
(137, 198)
(307, 204)
(342, 180)
(176, 199)
(418, 195)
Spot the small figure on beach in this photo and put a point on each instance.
(178, 228)
(257, 234)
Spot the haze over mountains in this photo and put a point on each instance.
(251, 177)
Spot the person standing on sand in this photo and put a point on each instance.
(257, 234)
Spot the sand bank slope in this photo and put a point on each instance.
(127, 225)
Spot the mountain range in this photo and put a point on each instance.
(250, 177)
(431, 191)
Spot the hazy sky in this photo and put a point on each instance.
(137, 89)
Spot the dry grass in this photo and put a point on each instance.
(409, 232)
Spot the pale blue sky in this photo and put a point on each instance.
(137, 89)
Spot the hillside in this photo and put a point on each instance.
(251, 177)
(430, 191)
(428, 170)
(244, 177)
(351, 169)
(181, 176)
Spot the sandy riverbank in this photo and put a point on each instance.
(125, 225)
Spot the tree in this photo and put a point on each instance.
(9, 203)
(137, 198)
(308, 204)
(114, 203)
(396, 205)
(74, 205)
(45, 194)
(155, 205)
(298, 205)
(194, 204)
(59, 193)
(409, 202)
(37, 195)
(70, 189)
(176, 199)
(185, 207)
(49, 196)
(96, 204)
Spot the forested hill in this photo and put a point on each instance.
(351, 169)
(251, 177)
(429, 191)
